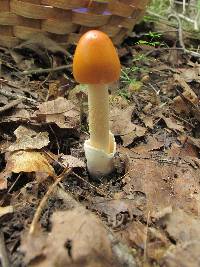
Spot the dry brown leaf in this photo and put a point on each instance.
(28, 161)
(137, 234)
(151, 145)
(72, 162)
(18, 115)
(170, 182)
(29, 139)
(77, 239)
(32, 245)
(191, 74)
(148, 120)
(186, 150)
(6, 210)
(194, 141)
(182, 227)
(188, 93)
(120, 211)
(172, 124)
(121, 125)
(3, 180)
(134, 234)
(186, 255)
(60, 111)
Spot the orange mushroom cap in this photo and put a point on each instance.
(96, 60)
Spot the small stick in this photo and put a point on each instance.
(10, 105)
(45, 198)
(99, 191)
(4, 260)
(13, 95)
(180, 36)
(40, 71)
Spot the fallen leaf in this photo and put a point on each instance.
(6, 210)
(138, 234)
(186, 255)
(151, 144)
(165, 182)
(148, 120)
(191, 74)
(3, 180)
(32, 245)
(28, 161)
(72, 162)
(188, 93)
(182, 227)
(172, 124)
(121, 211)
(60, 111)
(120, 123)
(29, 139)
(78, 238)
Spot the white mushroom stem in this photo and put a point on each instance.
(98, 102)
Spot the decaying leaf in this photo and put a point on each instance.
(170, 182)
(121, 125)
(140, 235)
(3, 180)
(186, 255)
(32, 245)
(172, 124)
(29, 161)
(6, 210)
(72, 162)
(29, 139)
(182, 227)
(121, 211)
(151, 145)
(77, 239)
(60, 111)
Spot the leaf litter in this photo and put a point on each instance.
(144, 214)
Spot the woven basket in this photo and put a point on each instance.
(65, 20)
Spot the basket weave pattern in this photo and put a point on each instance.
(65, 20)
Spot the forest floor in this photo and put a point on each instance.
(147, 212)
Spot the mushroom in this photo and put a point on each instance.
(96, 63)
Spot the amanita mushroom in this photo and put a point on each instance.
(96, 64)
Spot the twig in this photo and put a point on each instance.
(11, 105)
(45, 198)
(4, 260)
(13, 95)
(180, 36)
(99, 191)
(40, 71)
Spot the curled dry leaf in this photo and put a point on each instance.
(77, 239)
(60, 111)
(121, 125)
(29, 139)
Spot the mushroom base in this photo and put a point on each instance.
(100, 163)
